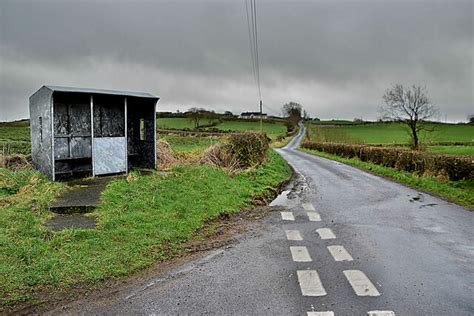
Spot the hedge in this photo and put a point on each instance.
(451, 167)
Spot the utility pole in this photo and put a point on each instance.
(261, 122)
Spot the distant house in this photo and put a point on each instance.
(252, 115)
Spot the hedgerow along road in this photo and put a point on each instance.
(339, 242)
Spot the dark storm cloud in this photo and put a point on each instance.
(334, 57)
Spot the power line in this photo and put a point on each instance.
(253, 39)
(251, 42)
(256, 49)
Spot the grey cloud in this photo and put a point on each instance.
(335, 57)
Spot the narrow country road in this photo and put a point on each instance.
(340, 242)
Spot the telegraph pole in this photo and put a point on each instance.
(261, 122)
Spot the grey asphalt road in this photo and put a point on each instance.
(412, 251)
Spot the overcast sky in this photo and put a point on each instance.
(334, 57)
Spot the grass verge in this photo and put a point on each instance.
(141, 220)
(460, 192)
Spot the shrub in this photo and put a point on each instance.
(165, 157)
(422, 163)
(249, 148)
(15, 162)
(219, 156)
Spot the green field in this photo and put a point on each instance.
(273, 130)
(396, 133)
(15, 136)
(178, 123)
(188, 143)
(15, 140)
(452, 150)
(392, 133)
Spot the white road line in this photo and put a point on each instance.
(339, 253)
(293, 235)
(310, 283)
(287, 216)
(361, 283)
(381, 313)
(321, 313)
(308, 207)
(325, 233)
(314, 217)
(300, 254)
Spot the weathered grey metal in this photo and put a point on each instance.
(92, 131)
(41, 132)
(101, 91)
(109, 155)
(125, 106)
(41, 135)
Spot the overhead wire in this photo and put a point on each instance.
(253, 39)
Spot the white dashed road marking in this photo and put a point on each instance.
(325, 233)
(300, 254)
(308, 207)
(287, 216)
(339, 253)
(320, 313)
(310, 283)
(361, 283)
(293, 235)
(381, 313)
(314, 217)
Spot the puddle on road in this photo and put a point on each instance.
(294, 195)
(281, 199)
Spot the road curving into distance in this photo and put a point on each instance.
(340, 241)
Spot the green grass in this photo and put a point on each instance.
(18, 123)
(188, 143)
(392, 133)
(15, 139)
(140, 221)
(452, 150)
(334, 122)
(178, 122)
(460, 192)
(273, 130)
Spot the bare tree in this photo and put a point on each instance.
(410, 106)
(470, 119)
(293, 111)
(195, 114)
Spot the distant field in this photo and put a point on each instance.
(273, 130)
(452, 150)
(178, 122)
(15, 139)
(334, 122)
(391, 133)
(15, 136)
(188, 144)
